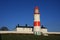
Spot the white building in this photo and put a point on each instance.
(29, 29)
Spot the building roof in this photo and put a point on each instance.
(26, 26)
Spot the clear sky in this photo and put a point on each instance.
(13, 12)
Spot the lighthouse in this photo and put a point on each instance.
(37, 25)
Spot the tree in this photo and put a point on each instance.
(4, 28)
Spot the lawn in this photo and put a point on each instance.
(28, 37)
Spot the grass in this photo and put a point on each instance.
(28, 37)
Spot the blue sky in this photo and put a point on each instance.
(13, 12)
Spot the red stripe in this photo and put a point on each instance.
(37, 23)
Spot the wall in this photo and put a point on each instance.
(44, 30)
(24, 30)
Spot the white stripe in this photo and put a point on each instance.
(37, 28)
(36, 20)
(36, 17)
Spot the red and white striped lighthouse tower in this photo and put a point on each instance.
(37, 25)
